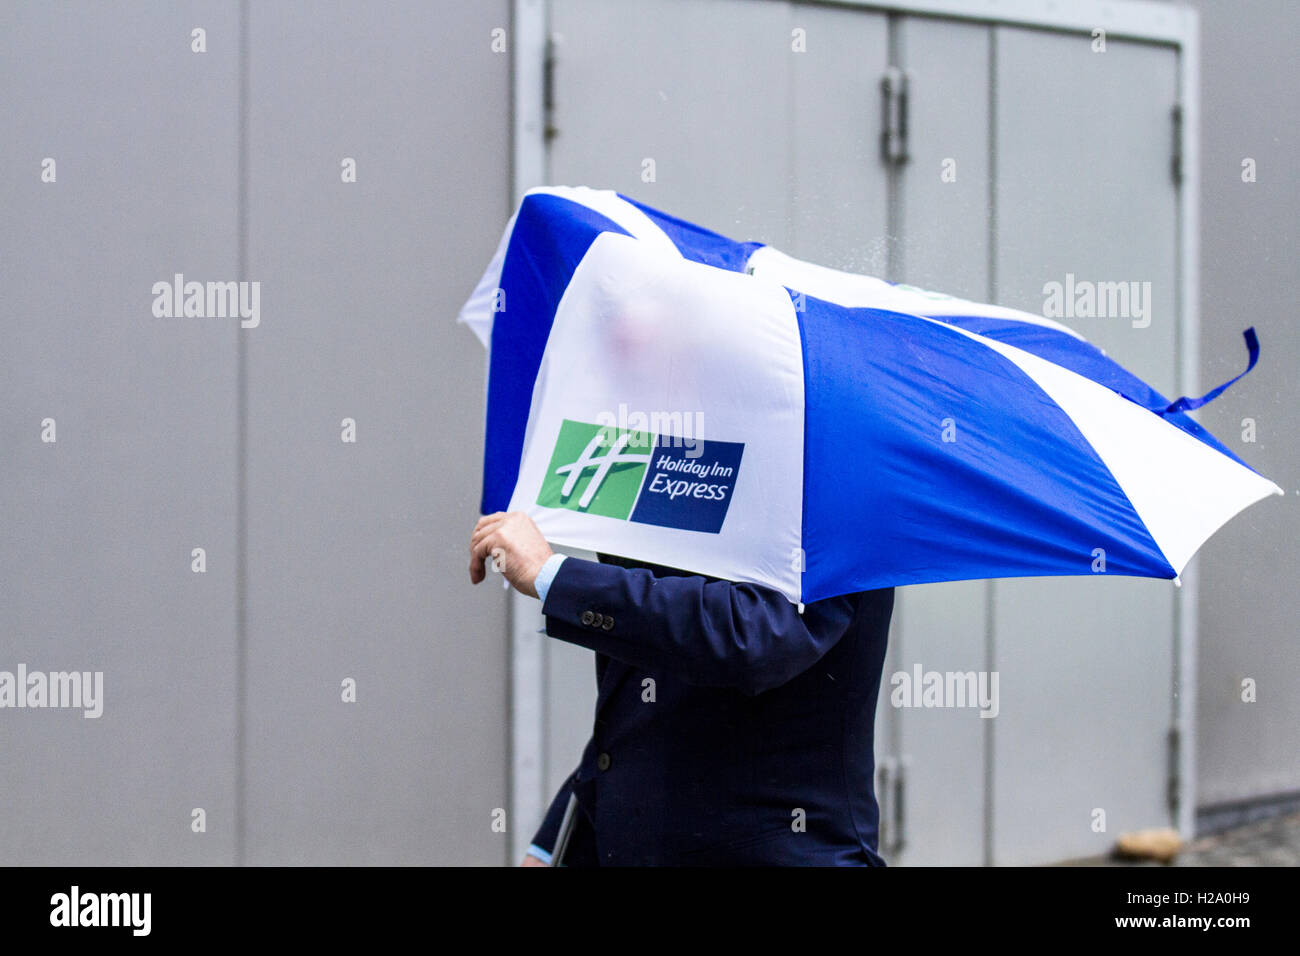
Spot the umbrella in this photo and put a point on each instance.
(663, 393)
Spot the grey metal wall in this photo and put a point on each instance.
(1249, 603)
(326, 560)
(99, 525)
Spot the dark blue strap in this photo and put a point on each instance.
(1191, 404)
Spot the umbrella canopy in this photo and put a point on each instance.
(660, 392)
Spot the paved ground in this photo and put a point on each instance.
(1273, 842)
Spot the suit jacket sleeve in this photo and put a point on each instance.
(712, 633)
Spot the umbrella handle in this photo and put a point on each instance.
(566, 831)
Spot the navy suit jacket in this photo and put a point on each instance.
(729, 730)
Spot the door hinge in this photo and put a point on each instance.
(893, 133)
(550, 131)
(1174, 779)
(891, 787)
(1176, 154)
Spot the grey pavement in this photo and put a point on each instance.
(1271, 842)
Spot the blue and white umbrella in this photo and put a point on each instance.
(663, 393)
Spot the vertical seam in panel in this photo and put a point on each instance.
(241, 453)
(530, 167)
(894, 729)
(1175, 734)
(792, 143)
(511, 690)
(1187, 600)
(990, 593)
(893, 171)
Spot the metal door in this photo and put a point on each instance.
(1084, 188)
(934, 775)
(760, 120)
(1062, 165)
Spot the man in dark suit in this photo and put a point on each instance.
(730, 729)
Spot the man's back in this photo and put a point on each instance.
(755, 750)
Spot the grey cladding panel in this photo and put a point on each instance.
(357, 552)
(100, 525)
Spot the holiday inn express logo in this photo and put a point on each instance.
(593, 469)
(636, 475)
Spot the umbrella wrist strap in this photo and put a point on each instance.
(1186, 404)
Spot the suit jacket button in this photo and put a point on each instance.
(608, 622)
(603, 762)
(587, 617)
(597, 620)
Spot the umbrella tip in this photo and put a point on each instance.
(1178, 580)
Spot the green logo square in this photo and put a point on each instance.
(596, 469)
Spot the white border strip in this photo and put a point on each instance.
(526, 747)
(1184, 677)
